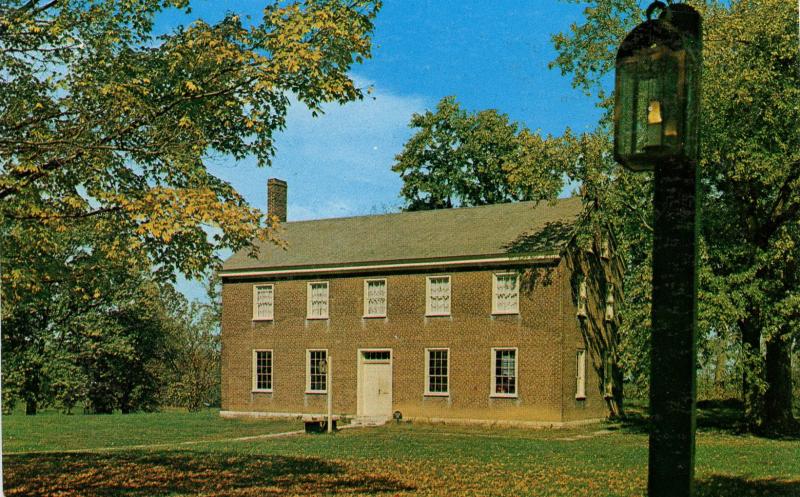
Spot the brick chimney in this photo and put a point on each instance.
(276, 198)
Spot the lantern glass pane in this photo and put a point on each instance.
(657, 85)
(672, 94)
(648, 96)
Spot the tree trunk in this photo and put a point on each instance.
(751, 358)
(778, 417)
(617, 407)
(31, 407)
(125, 402)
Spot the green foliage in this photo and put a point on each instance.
(70, 384)
(751, 179)
(102, 340)
(101, 120)
(104, 134)
(457, 158)
(122, 354)
(194, 359)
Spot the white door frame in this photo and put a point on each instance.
(360, 369)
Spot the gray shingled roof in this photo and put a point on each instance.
(491, 230)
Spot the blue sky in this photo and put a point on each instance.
(489, 54)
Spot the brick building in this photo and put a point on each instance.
(470, 314)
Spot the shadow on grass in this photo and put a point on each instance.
(726, 486)
(724, 416)
(145, 474)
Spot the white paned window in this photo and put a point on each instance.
(317, 371)
(609, 315)
(504, 372)
(605, 249)
(262, 370)
(583, 297)
(505, 294)
(317, 305)
(263, 302)
(438, 296)
(580, 377)
(437, 371)
(374, 298)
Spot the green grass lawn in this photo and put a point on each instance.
(52, 431)
(404, 460)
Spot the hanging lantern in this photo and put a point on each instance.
(656, 104)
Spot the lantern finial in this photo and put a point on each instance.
(656, 5)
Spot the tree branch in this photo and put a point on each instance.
(639, 215)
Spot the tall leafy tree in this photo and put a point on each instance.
(752, 160)
(100, 119)
(459, 158)
(105, 130)
(194, 358)
(751, 177)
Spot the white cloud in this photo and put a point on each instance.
(338, 163)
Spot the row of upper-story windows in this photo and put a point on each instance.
(504, 368)
(505, 297)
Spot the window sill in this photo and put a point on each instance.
(437, 315)
(503, 396)
(375, 317)
(316, 319)
(316, 392)
(263, 319)
(261, 391)
(505, 313)
(436, 394)
(580, 397)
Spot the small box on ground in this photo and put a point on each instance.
(318, 424)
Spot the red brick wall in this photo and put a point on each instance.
(593, 405)
(545, 333)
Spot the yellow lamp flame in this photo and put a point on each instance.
(654, 112)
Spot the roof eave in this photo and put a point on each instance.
(503, 259)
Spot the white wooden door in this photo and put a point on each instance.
(376, 388)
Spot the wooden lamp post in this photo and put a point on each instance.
(326, 367)
(656, 116)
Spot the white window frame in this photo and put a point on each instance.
(256, 317)
(580, 374)
(428, 311)
(327, 299)
(271, 371)
(308, 372)
(493, 387)
(582, 308)
(428, 393)
(605, 247)
(385, 298)
(494, 293)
